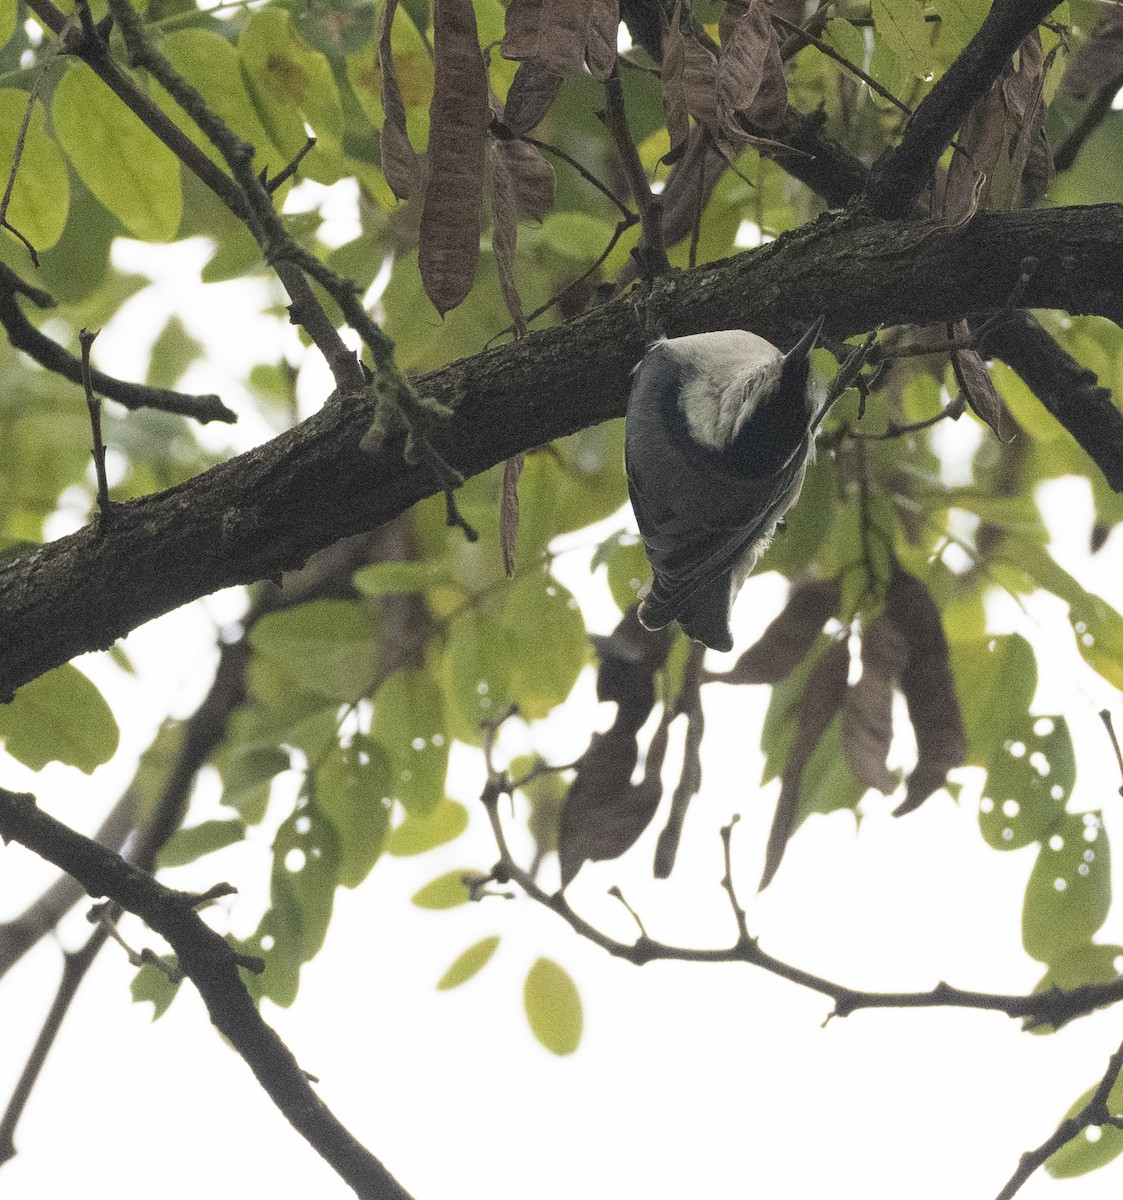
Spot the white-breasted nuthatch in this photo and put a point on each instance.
(716, 442)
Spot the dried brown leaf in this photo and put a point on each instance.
(600, 37)
(785, 643)
(561, 35)
(400, 164)
(928, 687)
(867, 716)
(504, 242)
(520, 37)
(672, 84)
(604, 813)
(1029, 113)
(449, 239)
(1098, 64)
(976, 385)
(818, 706)
(978, 146)
(699, 82)
(533, 90)
(509, 512)
(750, 55)
(532, 177)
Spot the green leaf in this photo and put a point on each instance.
(40, 198)
(846, 39)
(1030, 777)
(327, 646)
(475, 672)
(292, 85)
(553, 1007)
(546, 642)
(186, 845)
(150, 983)
(1069, 890)
(446, 891)
(395, 578)
(628, 569)
(961, 18)
(901, 23)
(1092, 1147)
(828, 783)
(208, 61)
(470, 963)
(350, 788)
(9, 10)
(996, 678)
(576, 235)
(59, 717)
(409, 722)
(302, 892)
(123, 163)
(416, 835)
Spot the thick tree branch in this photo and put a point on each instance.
(899, 177)
(269, 509)
(212, 966)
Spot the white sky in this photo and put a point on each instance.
(714, 1081)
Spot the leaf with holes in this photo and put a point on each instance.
(1069, 890)
(458, 120)
(1087, 1151)
(1030, 777)
(468, 964)
(351, 788)
(409, 721)
(553, 1007)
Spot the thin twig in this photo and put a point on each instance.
(1095, 1112)
(271, 185)
(832, 53)
(653, 253)
(1105, 716)
(86, 340)
(585, 174)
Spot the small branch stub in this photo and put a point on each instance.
(86, 340)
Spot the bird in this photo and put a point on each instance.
(717, 438)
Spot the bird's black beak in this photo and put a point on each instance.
(806, 343)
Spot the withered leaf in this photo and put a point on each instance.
(928, 687)
(1031, 143)
(562, 26)
(520, 36)
(672, 84)
(504, 240)
(400, 163)
(600, 37)
(786, 641)
(818, 706)
(601, 817)
(978, 146)
(532, 177)
(976, 385)
(509, 511)
(699, 82)
(750, 55)
(1098, 63)
(449, 239)
(604, 813)
(867, 715)
(690, 777)
(532, 91)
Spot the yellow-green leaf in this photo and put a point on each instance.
(901, 23)
(122, 162)
(470, 963)
(40, 198)
(553, 1007)
(446, 891)
(59, 717)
